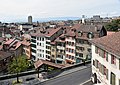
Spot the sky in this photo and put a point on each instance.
(19, 10)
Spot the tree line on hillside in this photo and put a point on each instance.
(113, 26)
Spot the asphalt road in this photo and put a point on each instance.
(75, 78)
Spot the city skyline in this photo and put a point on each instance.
(18, 10)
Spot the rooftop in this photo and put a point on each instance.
(40, 62)
(111, 43)
(47, 32)
(9, 41)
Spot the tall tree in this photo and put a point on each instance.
(18, 65)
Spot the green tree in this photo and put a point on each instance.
(113, 26)
(18, 65)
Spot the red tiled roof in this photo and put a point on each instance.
(48, 32)
(52, 31)
(87, 28)
(18, 45)
(40, 62)
(9, 41)
(110, 43)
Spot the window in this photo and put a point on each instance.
(113, 59)
(96, 63)
(34, 51)
(112, 79)
(106, 55)
(53, 56)
(53, 50)
(72, 43)
(42, 39)
(93, 63)
(101, 53)
(33, 41)
(33, 45)
(96, 49)
(72, 57)
(72, 50)
(37, 43)
(37, 38)
(47, 42)
(89, 49)
(69, 56)
(33, 37)
(81, 48)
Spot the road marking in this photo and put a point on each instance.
(85, 82)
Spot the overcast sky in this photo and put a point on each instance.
(11, 10)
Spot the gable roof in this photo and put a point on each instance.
(48, 32)
(87, 28)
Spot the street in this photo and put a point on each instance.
(75, 78)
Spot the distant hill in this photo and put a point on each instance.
(55, 18)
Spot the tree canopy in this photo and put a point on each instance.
(113, 26)
(18, 64)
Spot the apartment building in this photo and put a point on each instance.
(41, 43)
(65, 45)
(60, 49)
(106, 59)
(77, 45)
(70, 47)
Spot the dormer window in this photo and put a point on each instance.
(80, 33)
(90, 35)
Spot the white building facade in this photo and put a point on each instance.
(106, 60)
